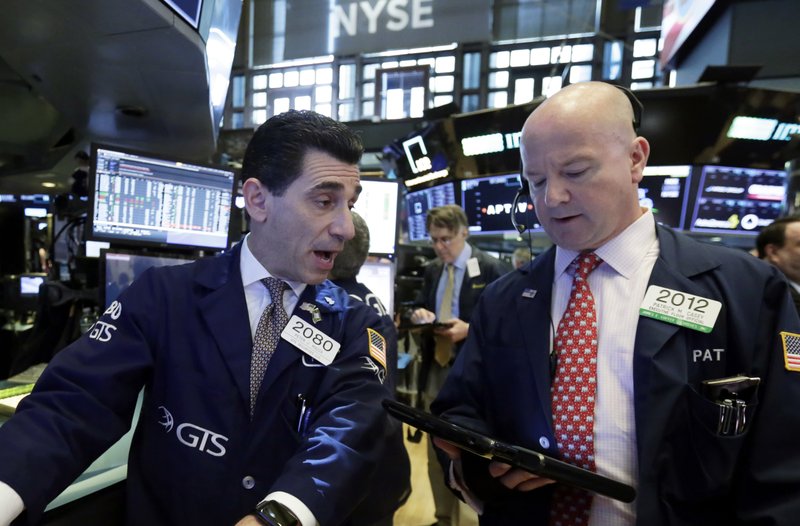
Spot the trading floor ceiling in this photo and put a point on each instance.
(125, 72)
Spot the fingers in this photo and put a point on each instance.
(450, 450)
(516, 479)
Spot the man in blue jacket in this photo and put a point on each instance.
(262, 381)
(627, 349)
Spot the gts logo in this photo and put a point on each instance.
(194, 436)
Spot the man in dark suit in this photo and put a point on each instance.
(451, 287)
(262, 381)
(626, 349)
(779, 244)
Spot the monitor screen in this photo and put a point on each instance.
(665, 191)
(29, 284)
(737, 200)
(377, 204)
(419, 202)
(121, 267)
(141, 199)
(488, 202)
(678, 22)
(378, 276)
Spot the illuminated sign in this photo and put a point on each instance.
(759, 129)
(491, 143)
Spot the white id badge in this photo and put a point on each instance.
(311, 340)
(680, 308)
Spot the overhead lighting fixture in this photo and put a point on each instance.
(49, 185)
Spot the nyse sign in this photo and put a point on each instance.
(362, 26)
(394, 15)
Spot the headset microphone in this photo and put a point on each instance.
(522, 192)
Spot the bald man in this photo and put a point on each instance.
(604, 352)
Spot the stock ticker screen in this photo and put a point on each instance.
(488, 203)
(665, 191)
(419, 202)
(737, 200)
(146, 200)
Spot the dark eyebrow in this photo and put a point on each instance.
(335, 185)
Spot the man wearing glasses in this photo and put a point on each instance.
(451, 287)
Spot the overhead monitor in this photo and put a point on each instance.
(665, 191)
(419, 202)
(377, 204)
(488, 203)
(378, 276)
(120, 268)
(679, 20)
(149, 200)
(189, 10)
(733, 200)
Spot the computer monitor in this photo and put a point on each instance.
(733, 200)
(148, 200)
(378, 276)
(119, 268)
(665, 191)
(419, 202)
(488, 203)
(377, 204)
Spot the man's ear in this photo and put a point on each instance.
(770, 250)
(639, 155)
(256, 199)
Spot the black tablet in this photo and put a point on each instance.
(517, 456)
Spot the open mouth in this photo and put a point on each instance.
(325, 256)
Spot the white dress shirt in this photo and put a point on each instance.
(618, 286)
(258, 299)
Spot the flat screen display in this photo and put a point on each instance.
(488, 202)
(737, 200)
(143, 199)
(665, 191)
(120, 268)
(377, 204)
(419, 202)
(378, 276)
(678, 22)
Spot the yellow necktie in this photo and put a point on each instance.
(444, 347)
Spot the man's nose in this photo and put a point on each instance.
(342, 225)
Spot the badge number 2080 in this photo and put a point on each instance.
(311, 340)
(680, 308)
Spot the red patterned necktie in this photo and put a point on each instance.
(268, 332)
(573, 392)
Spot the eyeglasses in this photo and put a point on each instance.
(444, 240)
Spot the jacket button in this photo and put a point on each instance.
(248, 482)
(544, 442)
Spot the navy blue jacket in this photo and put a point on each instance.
(182, 333)
(688, 474)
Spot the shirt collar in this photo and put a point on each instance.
(253, 271)
(623, 253)
(461, 261)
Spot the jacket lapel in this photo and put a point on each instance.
(533, 314)
(224, 310)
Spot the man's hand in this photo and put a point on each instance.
(512, 478)
(455, 331)
(422, 316)
(516, 479)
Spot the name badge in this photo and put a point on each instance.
(311, 340)
(473, 269)
(680, 308)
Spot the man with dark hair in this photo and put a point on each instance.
(451, 287)
(262, 380)
(395, 469)
(779, 244)
(626, 349)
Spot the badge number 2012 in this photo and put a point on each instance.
(680, 308)
(311, 340)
